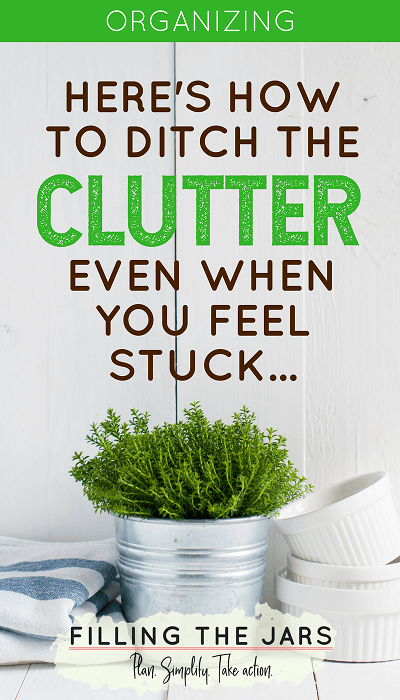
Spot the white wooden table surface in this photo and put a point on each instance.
(333, 681)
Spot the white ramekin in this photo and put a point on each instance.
(367, 623)
(356, 578)
(352, 523)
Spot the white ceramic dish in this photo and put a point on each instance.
(361, 578)
(367, 623)
(352, 523)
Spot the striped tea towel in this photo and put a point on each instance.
(25, 649)
(44, 585)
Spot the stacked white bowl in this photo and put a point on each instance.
(343, 539)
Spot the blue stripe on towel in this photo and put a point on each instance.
(108, 571)
(46, 588)
(111, 608)
(100, 600)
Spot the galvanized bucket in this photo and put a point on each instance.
(191, 566)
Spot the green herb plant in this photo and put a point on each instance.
(192, 469)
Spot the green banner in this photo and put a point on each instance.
(166, 20)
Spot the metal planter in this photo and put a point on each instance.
(191, 566)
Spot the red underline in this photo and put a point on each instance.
(265, 648)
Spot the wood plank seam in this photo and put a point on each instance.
(23, 680)
(316, 684)
(315, 677)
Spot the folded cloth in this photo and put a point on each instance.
(44, 586)
(25, 649)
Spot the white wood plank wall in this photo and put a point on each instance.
(333, 680)
(340, 417)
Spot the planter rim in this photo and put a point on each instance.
(332, 503)
(340, 601)
(343, 574)
(204, 521)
